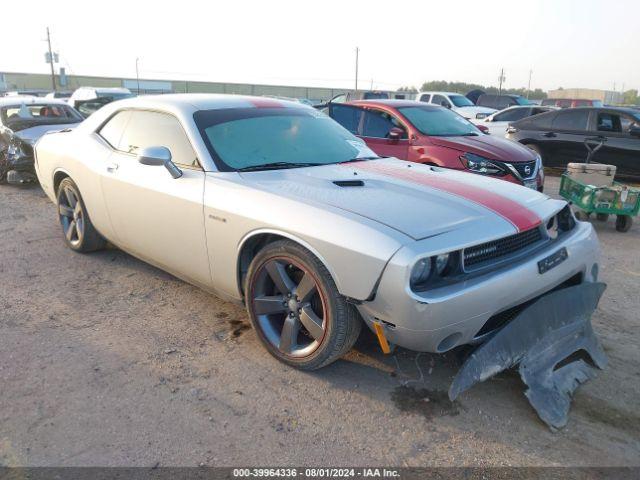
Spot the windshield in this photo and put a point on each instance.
(244, 138)
(438, 122)
(460, 101)
(523, 101)
(19, 117)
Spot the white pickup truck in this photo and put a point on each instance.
(456, 102)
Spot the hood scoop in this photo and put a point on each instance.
(349, 183)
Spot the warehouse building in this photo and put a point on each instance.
(607, 97)
(37, 81)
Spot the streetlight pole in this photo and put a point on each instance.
(501, 79)
(529, 87)
(137, 77)
(53, 74)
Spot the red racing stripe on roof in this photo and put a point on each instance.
(520, 216)
(266, 103)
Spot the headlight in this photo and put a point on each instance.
(441, 263)
(435, 271)
(566, 220)
(481, 165)
(420, 272)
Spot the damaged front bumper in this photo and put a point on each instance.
(441, 319)
(554, 345)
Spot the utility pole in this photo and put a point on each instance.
(137, 77)
(529, 87)
(501, 79)
(357, 52)
(53, 74)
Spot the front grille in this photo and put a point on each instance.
(522, 167)
(499, 248)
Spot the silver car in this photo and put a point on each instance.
(272, 204)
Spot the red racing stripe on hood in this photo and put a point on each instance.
(520, 216)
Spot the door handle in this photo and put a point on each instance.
(549, 135)
(112, 167)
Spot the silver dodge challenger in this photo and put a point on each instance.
(273, 205)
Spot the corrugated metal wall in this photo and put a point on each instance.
(30, 81)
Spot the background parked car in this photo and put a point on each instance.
(498, 122)
(456, 102)
(559, 136)
(89, 99)
(23, 120)
(58, 94)
(434, 135)
(570, 102)
(500, 102)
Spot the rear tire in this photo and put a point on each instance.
(623, 223)
(296, 309)
(79, 233)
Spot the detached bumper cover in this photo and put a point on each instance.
(544, 340)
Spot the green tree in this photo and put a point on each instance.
(630, 97)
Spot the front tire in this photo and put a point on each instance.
(296, 309)
(79, 233)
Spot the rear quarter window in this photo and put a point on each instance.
(539, 122)
(112, 130)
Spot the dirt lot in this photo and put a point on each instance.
(105, 360)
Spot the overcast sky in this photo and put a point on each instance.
(587, 43)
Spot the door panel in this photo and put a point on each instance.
(375, 130)
(564, 141)
(157, 217)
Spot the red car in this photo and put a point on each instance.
(434, 135)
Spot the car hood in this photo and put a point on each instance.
(31, 135)
(492, 147)
(471, 112)
(417, 200)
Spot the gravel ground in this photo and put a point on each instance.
(107, 361)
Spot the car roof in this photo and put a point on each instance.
(107, 89)
(28, 100)
(393, 103)
(441, 93)
(188, 103)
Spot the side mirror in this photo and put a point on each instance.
(445, 104)
(159, 157)
(395, 134)
(634, 130)
(483, 128)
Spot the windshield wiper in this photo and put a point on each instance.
(277, 166)
(361, 159)
(470, 134)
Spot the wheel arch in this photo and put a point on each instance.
(59, 175)
(254, 241)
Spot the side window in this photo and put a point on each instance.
(150, 129)
(347, 116)
(512, 115)
(112, 130)
(608, 122)
(625, 123)
(378, 124)
(425, 97)
(571, 120)
(440, 100)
